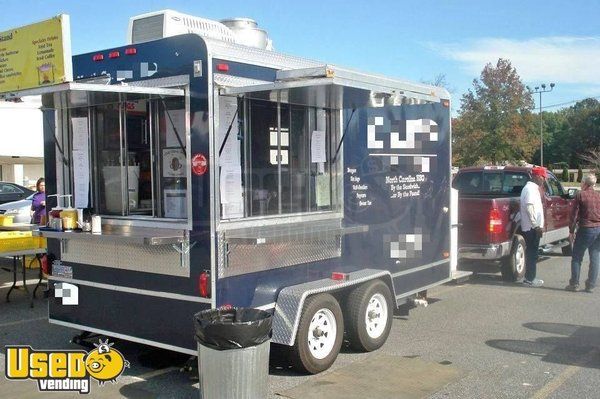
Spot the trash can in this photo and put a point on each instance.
(233, 353)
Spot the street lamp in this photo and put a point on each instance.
(541, 89)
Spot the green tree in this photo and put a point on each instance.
(494, 121)
(583, 128)
(556, 136)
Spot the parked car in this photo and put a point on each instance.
(13, 192)
(490, 220)
(21, 210)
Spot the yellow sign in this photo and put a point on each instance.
(36, 55)
(65, 370)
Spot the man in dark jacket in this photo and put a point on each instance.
(585, 216)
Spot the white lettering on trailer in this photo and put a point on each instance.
(359, 190)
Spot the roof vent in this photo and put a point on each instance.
(248, 33)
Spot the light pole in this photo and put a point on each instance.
(541, 89)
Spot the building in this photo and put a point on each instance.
(21, 141)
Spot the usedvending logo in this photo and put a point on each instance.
(65, 371)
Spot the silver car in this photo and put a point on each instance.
(21, 210)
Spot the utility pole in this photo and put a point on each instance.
(541, 89)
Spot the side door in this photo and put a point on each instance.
(556, 211)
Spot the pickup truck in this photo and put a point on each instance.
(489, 216)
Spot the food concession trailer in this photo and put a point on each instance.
(230, 175)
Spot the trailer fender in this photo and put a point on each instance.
(290, 300)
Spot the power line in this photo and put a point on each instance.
(569, 102)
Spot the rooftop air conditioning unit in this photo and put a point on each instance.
(165, 23)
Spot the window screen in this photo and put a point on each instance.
(281, 159)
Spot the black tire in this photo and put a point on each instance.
(513, 266)
(302, 353)
(567, 250)
(365, 336)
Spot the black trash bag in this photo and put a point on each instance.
(234, 328)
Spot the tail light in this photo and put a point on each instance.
(204, 284)
(495, 221)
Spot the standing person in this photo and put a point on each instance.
(532, 223)
(38, 205)
(585, 215)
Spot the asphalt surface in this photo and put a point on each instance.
(507, 341)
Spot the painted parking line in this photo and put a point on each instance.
(14, 323)
(563, 377)
(19, 283)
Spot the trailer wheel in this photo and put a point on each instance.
(320, 334)
(513, 266)
(370, 311)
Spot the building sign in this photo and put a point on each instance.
(36, 55)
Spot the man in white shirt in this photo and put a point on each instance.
(532, 223)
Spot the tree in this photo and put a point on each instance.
(592, 157)
(440, 80)
(565, 174)
(495, 120)
(556, 138)
(583, 126)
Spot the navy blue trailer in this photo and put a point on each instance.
(229, 175)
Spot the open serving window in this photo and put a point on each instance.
(122, 151)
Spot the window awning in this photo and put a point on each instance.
(332, 87)
(74, 95)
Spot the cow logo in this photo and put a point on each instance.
(65, 370)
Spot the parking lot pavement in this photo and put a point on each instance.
(504, 341)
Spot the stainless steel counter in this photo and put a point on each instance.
(120, 234)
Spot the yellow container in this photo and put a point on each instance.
(6, 220)
(18, 241)
(69, 218)
(31, 262)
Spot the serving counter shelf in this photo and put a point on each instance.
(133, 235)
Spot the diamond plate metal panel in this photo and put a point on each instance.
(159, 259)
(291, 300)
(252, 55)
(250, 258)
(235, 81)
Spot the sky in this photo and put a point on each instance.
(547, 41)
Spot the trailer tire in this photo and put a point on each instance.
(369, 310)
(513, 266)
(320, 334)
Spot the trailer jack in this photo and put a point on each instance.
(190, 364)
(81, 339)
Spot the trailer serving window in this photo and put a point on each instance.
(139, 158)
(276, 160)
(121, 150)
